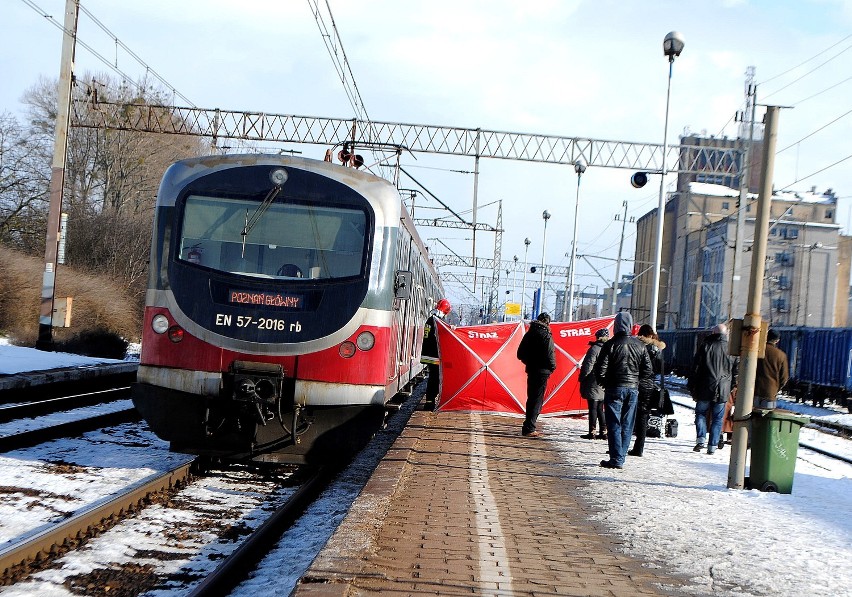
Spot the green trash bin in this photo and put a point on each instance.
(774, 444)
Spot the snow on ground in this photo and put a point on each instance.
(671, 508)
(18, 359)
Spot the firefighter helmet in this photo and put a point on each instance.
(444, 306)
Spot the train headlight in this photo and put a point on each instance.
(278, 176)
(365, 340)
(347, 350)
(160, 324)
(176, 333)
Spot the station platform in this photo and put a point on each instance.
(462, 504)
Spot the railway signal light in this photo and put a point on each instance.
(639, 180)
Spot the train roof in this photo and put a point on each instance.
(382, 194)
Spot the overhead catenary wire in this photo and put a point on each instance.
(104, 60)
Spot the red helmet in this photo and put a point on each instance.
(444, 306)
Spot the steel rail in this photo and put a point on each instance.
(34, 437)
(236, 566)
(813, 425)
(53, 405)
(69, 532)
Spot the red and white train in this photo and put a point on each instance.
(285, 307)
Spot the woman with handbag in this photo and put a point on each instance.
(649, 393)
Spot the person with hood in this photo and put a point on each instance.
(714, 373)
(622, 364)
(537, 353)
(429, 351)
(590, 389)
(647, 388)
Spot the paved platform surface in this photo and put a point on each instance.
(463, 505)
(29, 379)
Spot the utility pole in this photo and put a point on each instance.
(57, 176)
(751, 97)
(752, 322)
(615, 282)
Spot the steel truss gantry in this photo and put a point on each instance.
(424, 138)
(447, 140)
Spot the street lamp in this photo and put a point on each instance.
(672, 47)
(579, 168)
(524, 293)
(514, 275)
(545, 216)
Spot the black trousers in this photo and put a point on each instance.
(596, 416)
(433, 383)
(640, 423)
(536, 384)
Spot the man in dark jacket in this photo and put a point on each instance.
(714, 373)
(622, 364)
(590, 389)
(772, 373)
(537, 353)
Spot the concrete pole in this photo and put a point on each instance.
(57, 176)
(751, 323)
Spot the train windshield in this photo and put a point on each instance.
(288, 241)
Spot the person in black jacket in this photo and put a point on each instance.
(647, 387)
(714, 373)
(537, 353)
(590, 389)
(622, 364)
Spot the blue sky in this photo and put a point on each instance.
(576, 68)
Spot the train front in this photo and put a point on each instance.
(266, 324)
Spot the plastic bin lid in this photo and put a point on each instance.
(779, 414)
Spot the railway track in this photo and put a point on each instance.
(37, 408)
(821, 426)
(37, 551)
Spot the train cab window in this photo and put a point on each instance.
(318, 242)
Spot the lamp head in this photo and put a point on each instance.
(673, 44)
(527, 242)
(580, 166)
(546, 215)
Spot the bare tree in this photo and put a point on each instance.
(24, 178)
(111, 179)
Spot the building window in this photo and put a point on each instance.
(829, 214)
(748, 208)
(726, 205)
(780, 305)
(773, 232)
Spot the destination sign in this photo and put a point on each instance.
(266, 299)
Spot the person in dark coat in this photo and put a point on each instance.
(647, 387)
(537, 353)
(622, 363)
(773, 372)
(591, 390)
(714, 373)
(429, 351)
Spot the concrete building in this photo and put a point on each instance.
(807, 270)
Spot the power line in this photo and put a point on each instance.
(794, 81)
(96, 54)
(808, 60)
(811, 134)
(840, 161)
